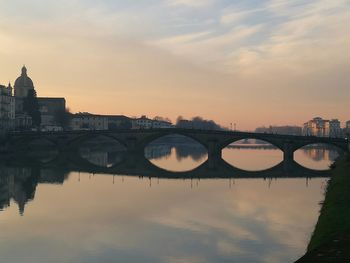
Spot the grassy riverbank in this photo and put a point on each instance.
(330, 241)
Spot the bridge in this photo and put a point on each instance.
(135, 141)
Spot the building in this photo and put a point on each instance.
(347, 128)
(315, 127)
(287, 130)
(88, 121)
(51, 110)
(7, 108)
(118, 122)
(347, 125)
(23, 121)
(23, 85)
(334, 129)
(322, 128)
(146, 123)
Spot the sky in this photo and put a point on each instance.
(252, 62)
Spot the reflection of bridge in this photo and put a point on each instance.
(135, 141)
(142, 167)
(20, 177)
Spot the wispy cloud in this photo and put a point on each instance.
(262, 46)
(191, 3)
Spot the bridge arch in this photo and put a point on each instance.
(78, 141)
(175, 152)
(163, 133)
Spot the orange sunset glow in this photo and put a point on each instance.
(272, 63)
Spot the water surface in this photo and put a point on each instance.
(58, 215)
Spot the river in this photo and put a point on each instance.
(58, 214)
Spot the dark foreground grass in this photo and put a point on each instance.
(330, 241)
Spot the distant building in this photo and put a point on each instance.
(118, 122)
(322, 128)
(347, 128)
(287, 130)
(7, 108)
(88, 121)
(48, 107)
(146, 123)
(50, 110)
(314, 127)
(335, 130)
(23, 121)
(23, 85)
(347, 125)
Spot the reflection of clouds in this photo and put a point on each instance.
(252, 159)
(94, 220)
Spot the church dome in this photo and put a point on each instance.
(24, 80)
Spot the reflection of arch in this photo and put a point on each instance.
(240, 170)
(257, 137)
(158, 169)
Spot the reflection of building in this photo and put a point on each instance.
(7, 108)
(98, 158)
(155, 151)
(88, 121)
(322, 128)
(146, 123)
(319, 153)
(19, 184)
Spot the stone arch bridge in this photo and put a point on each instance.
(135, 141)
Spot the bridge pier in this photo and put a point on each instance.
(135, 154)
(288, 156)
(214, 154)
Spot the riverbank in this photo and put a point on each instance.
(330, 241)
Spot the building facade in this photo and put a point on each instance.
(146, 123)
(118, 122)
(51, 111)
(334, 129)
(323, 128)
(88, 121)
(7, 108)
(49, 107)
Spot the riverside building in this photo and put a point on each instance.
(7, 108)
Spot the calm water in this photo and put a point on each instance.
(51, 215)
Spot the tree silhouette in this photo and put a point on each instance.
(31, 107)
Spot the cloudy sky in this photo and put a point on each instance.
(252, 62)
